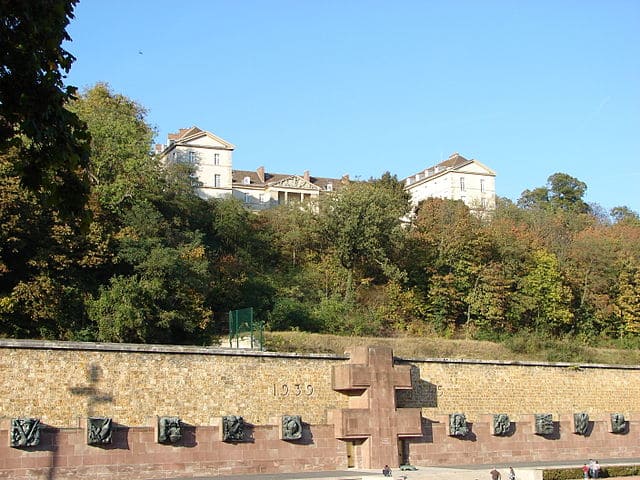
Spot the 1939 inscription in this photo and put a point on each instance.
(292, 389)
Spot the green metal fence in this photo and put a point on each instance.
(242, 326)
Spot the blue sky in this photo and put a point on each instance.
(529, 88)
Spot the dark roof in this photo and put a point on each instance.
(454, 160)
(238, 176)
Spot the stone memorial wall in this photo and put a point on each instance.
(81, 410)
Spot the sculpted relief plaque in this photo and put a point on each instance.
(291, 427)
(501, 424)
(169, 430)
(618, 423)
(25, 432)
(458, 426)
(580, 423)
(543, 424)
(233, 428)
(99, 431)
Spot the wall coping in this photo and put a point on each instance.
(525, 363)
(6, 343)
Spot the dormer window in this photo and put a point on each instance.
(246, 180)
(329, 187)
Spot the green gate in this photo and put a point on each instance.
(242, 325)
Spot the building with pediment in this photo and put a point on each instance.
(212, 158)
(456, 178)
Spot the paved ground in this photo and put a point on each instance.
(524, 471)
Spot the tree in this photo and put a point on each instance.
(562, 192)
(52, 141)
(120, 166)
(624, 214)
(627, 303)
(545, 294)
(363, 223)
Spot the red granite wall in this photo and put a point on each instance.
(479, 447)
(135, 454)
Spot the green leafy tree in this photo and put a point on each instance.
(52, 141)
(562, 192)
(121, 167)
(363, 223)
(545, 295)
(624, 214)
(627, 302)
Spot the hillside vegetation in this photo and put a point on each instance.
(525, 348)
(147, 260)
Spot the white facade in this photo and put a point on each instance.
(258, 190)
(211, 155)
(456, 179)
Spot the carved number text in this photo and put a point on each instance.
(296, 389)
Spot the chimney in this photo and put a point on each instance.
(306, 175)
(345, 178)
(260, 172)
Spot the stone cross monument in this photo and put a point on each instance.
(370, 380)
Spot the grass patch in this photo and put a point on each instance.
(529, 347)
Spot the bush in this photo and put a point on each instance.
(605, 472)
(291, 314)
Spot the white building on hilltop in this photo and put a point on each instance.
(212, 158)
(457, 179)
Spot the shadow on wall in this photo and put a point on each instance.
(93, 395)
(423, 394)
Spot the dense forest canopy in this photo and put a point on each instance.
(99, 241)
(160, 264)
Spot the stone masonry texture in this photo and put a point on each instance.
(62, 383)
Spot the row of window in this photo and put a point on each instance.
(192, 157)
(462, 187)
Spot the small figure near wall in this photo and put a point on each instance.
(585, 472)
(495, 474)
(512, 474)
(386, 471)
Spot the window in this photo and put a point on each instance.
(216, 159)
(246, 180)
(247, 198)
(482, 184)
(329, 187)
(192, 156)
(483, 203)
(462, 184)
(261, 197)
(216, 180)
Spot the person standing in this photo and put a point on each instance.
(495, 474)
(585, 472)
(512, 474)
(596, 469)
